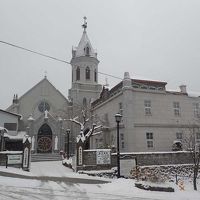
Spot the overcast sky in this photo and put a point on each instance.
(151, 39)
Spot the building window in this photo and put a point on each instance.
(179, 135)
(95, 75)
(43, 106)
(122, 136)
(87, 73)
(176, 106)
(123, 145)
(87, 51)
(121, 108)
(122, 140)
(149, 144)
(10, 126)
(196, 110)
(149, 138)
(77, 73)
(147, 107)
(198, 136)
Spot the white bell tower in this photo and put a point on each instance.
(84, 62)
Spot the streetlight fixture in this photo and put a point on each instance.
(68, 132)
(118, 118)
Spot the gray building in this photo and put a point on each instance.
(153, 118)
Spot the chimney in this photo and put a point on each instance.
(183, 89)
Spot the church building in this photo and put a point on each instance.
(46, 112)
(153, 118)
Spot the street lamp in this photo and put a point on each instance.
(68, 132)
(118, 118)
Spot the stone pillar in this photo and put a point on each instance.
(79, 154)
(26, 158)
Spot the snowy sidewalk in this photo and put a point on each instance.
(50, 171)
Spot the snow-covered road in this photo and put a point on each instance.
(38, 190)
(22, 189)
(56, 187)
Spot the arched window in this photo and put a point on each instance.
(87, 51)
(87, 73)
(77, 73)
(95, 75)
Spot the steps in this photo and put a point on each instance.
(45, 157)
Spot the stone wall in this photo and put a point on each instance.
(142, 159)
(158, 158)
(90, 161)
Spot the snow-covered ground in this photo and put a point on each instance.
(30, 189)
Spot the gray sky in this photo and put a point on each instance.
(151, 39)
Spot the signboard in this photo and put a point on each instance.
(126, 166)
(80, 155)
(26, 155)
(14, 159)
(103, 157)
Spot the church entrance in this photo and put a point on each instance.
(44, 139)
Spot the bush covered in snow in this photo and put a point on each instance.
(162, 173)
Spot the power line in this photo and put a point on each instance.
(35, 52)
(51, 57)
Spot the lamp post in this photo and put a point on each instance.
(68, 132)
(118, 118)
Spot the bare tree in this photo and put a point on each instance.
(84, 137)
(190, 143)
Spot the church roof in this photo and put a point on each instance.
(83, 44)
(35, 86)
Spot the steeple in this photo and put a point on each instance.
(84, 63)
(84, 47)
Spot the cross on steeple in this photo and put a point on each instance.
(85, 23)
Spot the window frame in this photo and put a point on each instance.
(147, 107)
(78, 73)
(150, 140)
(196, 110)
(87, 73)
(177, 108)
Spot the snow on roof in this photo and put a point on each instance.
(142, 78)
(153, 152)
(88, 150)
(20, 135)
(10, 152)
(10, 113)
